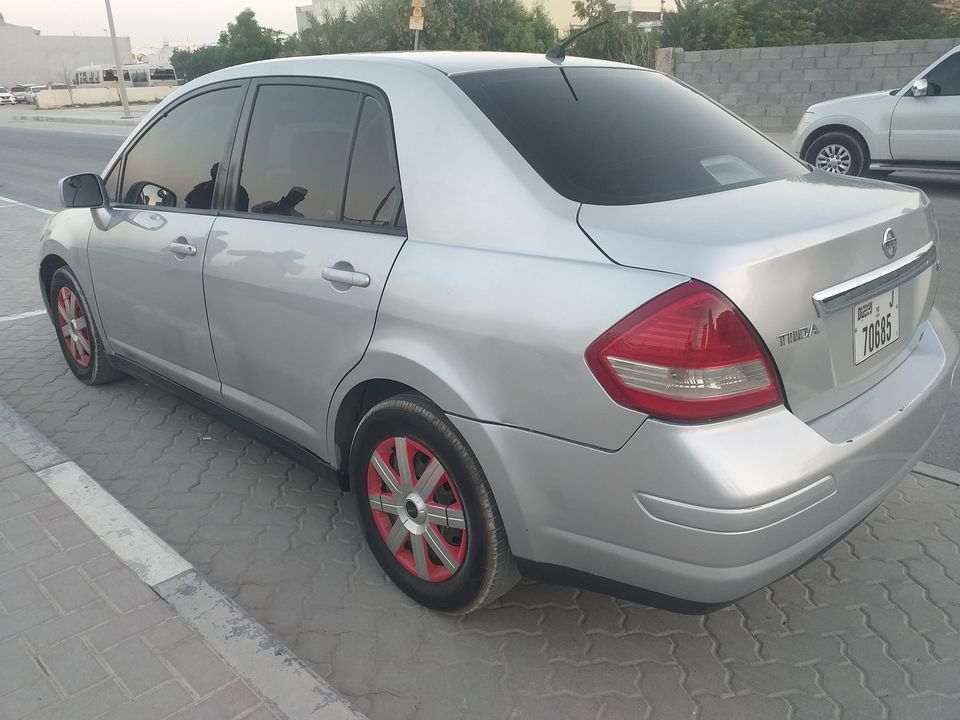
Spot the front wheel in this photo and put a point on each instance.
(428, 513)
(77, 333)
(839, 153)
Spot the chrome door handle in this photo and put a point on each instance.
(183, 248)
(344, 277)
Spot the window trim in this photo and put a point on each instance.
(218, 192)
(955, 56)
(238, 150)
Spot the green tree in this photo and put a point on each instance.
(860, 20)
(717, 24)
(246, 40)
(618, 40)
(191, 64)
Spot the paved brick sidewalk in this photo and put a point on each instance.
(869, 631)
(81, 636)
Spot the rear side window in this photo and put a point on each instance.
(612, 136)
(373, 187)
(297, 150)
(944, 79)
(175, 164)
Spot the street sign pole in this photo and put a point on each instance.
(116, 60)
(416, 22)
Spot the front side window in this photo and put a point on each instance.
(175, 164)
(619, 136)
(373, 187)
(297, 150)
(944, 79)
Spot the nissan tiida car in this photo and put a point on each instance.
(554, 317)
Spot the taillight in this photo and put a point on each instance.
(688, 355)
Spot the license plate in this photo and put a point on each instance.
(876, 325)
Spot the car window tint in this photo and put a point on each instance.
(945, 77)
(612, 136)
(176, 163)
(298, 146)
(373, 188)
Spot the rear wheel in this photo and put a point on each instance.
(427, 510)
(77, 333)
(839, 153)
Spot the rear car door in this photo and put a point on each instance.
(298, 260)
(928, 128)
(146, 251)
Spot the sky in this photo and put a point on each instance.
(147, 22)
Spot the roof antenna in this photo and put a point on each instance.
(559, 52)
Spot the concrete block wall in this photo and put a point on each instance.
(771, 87)
(47, 99)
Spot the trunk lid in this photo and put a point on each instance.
(773, 248)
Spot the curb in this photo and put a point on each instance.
(254, 654)
(88, 120)
(945, 475)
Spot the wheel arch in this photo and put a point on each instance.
(353, 405)
(48, 266)
(836, 127)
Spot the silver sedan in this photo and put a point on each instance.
(543, 316)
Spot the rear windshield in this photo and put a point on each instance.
(611, 136)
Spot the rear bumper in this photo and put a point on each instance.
(711, 513)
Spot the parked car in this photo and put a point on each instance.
(914, 128)
(564, 318)
(21, 93)
(6, 97)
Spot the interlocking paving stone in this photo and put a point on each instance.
(855, 629)
(73, 664)
(76, 648)
(136, 666)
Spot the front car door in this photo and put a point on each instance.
(146, 251)
(297, 262)
(928, 128)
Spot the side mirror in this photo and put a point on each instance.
(920, 88)
(85, 190)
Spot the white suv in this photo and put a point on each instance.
(914, 128)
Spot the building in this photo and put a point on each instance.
(27, 56)
(317, 8)
(646, 13)
(160, 56)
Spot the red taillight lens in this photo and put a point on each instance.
(688, 355)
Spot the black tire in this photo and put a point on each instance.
(487, 569)
(93, 367)
(855, 161)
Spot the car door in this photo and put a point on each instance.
(295, 268)
(927, 128)
(146, 251)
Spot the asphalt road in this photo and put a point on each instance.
(34, 156)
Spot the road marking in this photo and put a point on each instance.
(287, 684)
(936, 472)
(143, 552)
(255, 654)
(16, 203)
(22, 316)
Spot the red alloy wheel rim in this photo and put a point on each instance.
(73, 326)
(416, 509)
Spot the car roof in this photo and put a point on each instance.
(447, 62)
